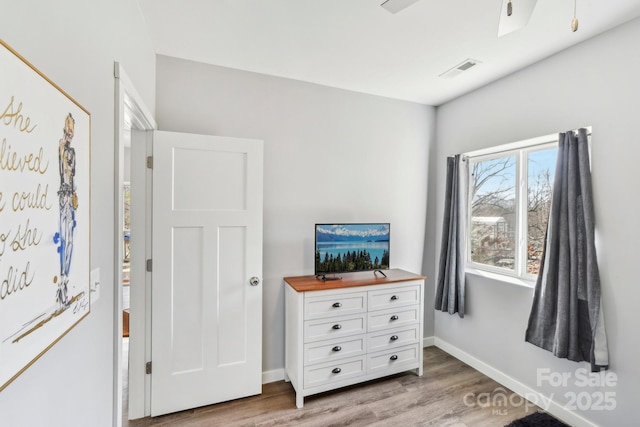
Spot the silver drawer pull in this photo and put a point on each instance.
(336, 370)
(394, 297)
(394, 357)
(336, 305)
(394, 338)
(336, 348)
(337, 326)
(394, 317)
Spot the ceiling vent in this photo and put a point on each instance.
(395, 6)
(460, 68)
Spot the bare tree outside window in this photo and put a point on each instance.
(541, 168)
(493, 212)
(494, 207)
(126, 198)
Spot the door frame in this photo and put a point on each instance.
(131, 113)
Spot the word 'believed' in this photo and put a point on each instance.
(11, 161)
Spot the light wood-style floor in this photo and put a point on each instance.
(448, 394)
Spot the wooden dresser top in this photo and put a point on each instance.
(364, 278)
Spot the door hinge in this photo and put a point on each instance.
(149, 265)
(150, 162)
(147, 368)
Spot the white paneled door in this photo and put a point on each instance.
(206, 339)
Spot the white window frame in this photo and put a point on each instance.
(520, 150)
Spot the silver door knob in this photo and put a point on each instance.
(254, 281)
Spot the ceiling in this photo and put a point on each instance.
(359, 46)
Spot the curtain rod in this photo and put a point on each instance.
(527, 143)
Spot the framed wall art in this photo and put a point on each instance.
(45, 143)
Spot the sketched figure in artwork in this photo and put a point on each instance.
(68, 199)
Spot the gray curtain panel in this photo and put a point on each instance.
(566, 315)
(450, 286)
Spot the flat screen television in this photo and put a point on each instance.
(345, 248)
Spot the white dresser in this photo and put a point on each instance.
(343, 332)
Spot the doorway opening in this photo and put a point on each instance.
(132, 120)
(125, 278)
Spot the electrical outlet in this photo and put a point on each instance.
(94, 285)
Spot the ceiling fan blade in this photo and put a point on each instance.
(395, 6)
(519, 18)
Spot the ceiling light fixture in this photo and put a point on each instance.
(511, 20)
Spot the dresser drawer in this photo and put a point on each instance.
(325, 351)
(336, 327)
(394, 297)
(392, 338)
(341, 370)
(334, 305)
(393, 318)
(389, 360)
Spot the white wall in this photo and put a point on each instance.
(595, 83)
(127, 164)
(330, 155)
(75, 43)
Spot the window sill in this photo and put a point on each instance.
(502, 278)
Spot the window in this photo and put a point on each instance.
(509, 203)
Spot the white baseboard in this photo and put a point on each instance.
(272, 376)
(554, 408)
(428, 342)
